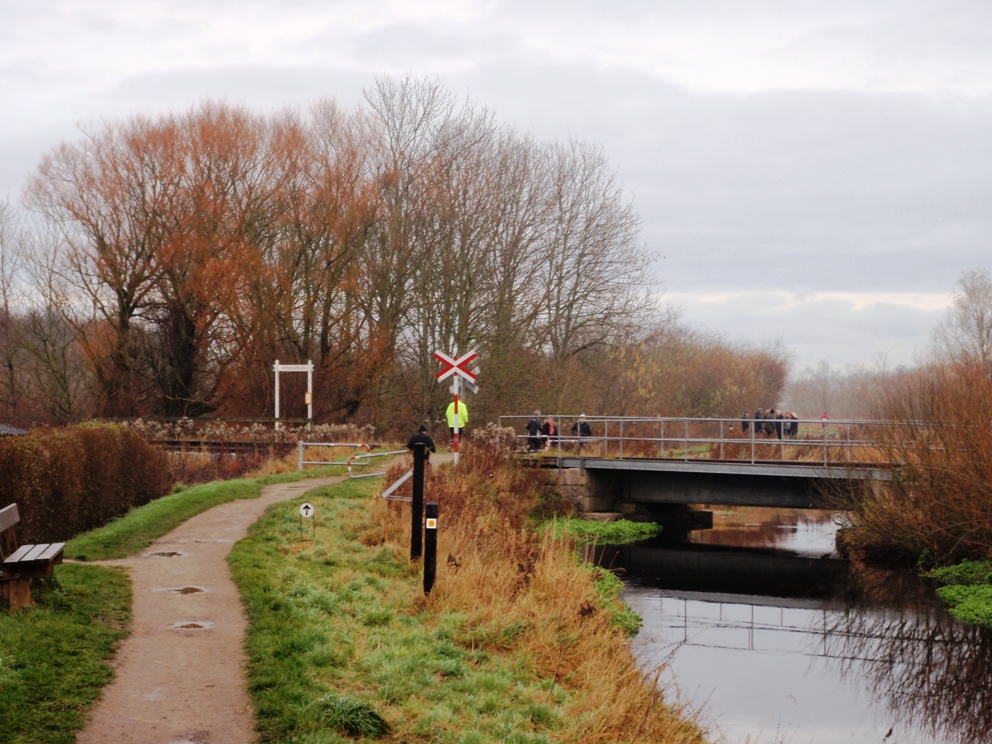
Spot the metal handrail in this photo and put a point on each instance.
(366, 459)
(301, 444)
(837, 440)
(359, 460)
(388, 493)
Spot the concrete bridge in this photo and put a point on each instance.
(652, 466)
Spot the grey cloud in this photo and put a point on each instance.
(776, 190)
(263, 88)
(821, 328)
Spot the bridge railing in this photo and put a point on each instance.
(803, 440)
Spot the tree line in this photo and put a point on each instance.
(167, 262)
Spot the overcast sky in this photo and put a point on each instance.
(815, 173)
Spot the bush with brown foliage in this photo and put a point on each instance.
(67, 481)
(939, 503)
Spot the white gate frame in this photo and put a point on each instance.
(308, 368)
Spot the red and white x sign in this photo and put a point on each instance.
(457, 366)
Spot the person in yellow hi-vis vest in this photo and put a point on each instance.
(462, 419)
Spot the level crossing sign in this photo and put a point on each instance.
(458, 367)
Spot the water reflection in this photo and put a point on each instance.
(803, 531)
(780, 646)
(933, 672)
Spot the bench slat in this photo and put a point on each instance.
(9, 516)
(32, 555)
(54, 551)
(16, 556)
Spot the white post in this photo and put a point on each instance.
(309, 395)
(276, 368)
(456, 388)
(299, 454)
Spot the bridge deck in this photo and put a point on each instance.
(784, 469)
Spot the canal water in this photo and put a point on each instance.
(762, 630)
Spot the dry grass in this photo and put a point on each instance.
(529, 596)
(274, 466)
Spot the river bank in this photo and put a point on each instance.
(515, 643)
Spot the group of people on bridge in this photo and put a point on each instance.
(771, 422)
(544, 435)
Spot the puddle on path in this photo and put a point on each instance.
(193, 625)
(164, 554)
(199, 540)
(200, 737)
(181, 590)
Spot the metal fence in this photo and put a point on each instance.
(623, 437)
(361, 459)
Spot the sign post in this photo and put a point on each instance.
(458, 369)
(308, 368)
(308, 512)
(430, 547)
(417, 505)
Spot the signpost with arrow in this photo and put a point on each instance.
(308, 512)
(460, 372)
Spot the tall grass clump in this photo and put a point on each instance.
(937, 509)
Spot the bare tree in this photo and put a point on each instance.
(11, 263)
(966, 334)
(105, 198)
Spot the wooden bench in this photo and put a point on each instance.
(22, 563)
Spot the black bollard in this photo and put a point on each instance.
(417, 516)
(430, 547)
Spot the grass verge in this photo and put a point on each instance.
(513, 645)
(140, 527)
(53, 656)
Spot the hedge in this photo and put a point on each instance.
(68, 481)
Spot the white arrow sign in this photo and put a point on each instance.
(306, 509)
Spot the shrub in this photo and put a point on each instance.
(67, 481)
(939, 501)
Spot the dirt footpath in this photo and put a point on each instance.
(180, 675)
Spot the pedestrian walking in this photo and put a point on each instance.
(422, 437)
(534, 433)
(462, 419)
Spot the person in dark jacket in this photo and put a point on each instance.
(422, 437)
(793, 424)
(581, 428)
(757, 421)
(769, 421)
(779, 423)
(534, 433)
(745, 422)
